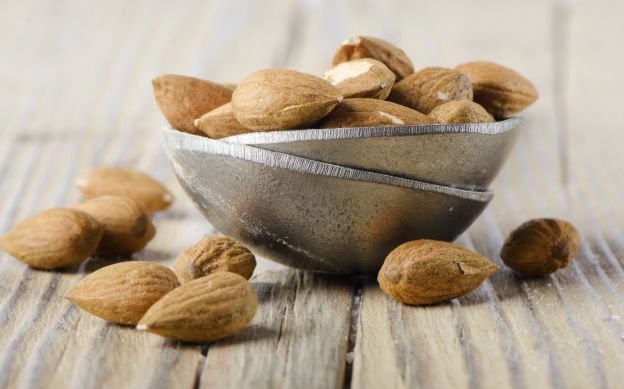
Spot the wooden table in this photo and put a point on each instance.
(75, 93)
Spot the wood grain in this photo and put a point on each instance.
(75, 94)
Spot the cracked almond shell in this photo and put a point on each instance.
(365, 77)
(428, 272)
(281, 99)
(369, 47)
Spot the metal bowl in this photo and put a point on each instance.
(467, 156)
(313, 215)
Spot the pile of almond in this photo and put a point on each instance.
(372, 83)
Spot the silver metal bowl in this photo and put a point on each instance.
(467, 156)
(313, 215)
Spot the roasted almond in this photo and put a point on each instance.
(213, 254)
(502, 91)
(431, 87)
(279, 99)
(368, 47)
(207, 308)
(460, 111)
(183, 99)
(371, 113)
(54, 238)
(429, 272)
(365, 77)
(220, 122)
(123, 292)
(143, 189)
(540, 247)
(127, 227)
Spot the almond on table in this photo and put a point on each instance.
(54, 238)
(123, 292)
(140, 187)
(127, 226)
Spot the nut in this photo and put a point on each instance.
(431, 87)
(361, 78)
(371, 112)
(540, 246)
(128, 183)
(279, 99)
(500, 90)
(368, 47)
(460, 111)
(220, 122)
(213, 254)
(54, 238)
(183, 99)
(127, 227)
(429, 272)
(207, 308)
(123, 292)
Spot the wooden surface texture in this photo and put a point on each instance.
(75, 93)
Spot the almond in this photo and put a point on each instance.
(143, 189)
(127, 227)
(279, 99)
(371, 113)
(429, 272)
(183, 99)
(368, 47)
(540, 247)
(207, 308)
(123, 292)
(213, 254)
(54, 238)
(220, 122)
(361, 78)
(502, 91)
(231, 86)
(431, 87)
(461, 111)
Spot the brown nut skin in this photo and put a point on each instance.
(140, 187)
(220, 123)
(123, 292)
(461, 111)
(502, 91)
(54, 238)
(539, 247)
(428, 272)
(369, 47)
(127, 227)
(183, 99)
(205, 309)
(364, 77)
(281, 99)
(431, 87)
(214, 254)
(371, 113)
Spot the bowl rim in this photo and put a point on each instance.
(284, 136)
(175, 139)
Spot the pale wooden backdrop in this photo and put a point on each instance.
(75, 93)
